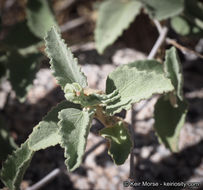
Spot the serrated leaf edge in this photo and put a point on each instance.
(175, 148)
(67, 49)
(130, 102)
(110, 141)
(38, 126)
(10, 157)
(162, 18)
(29, 23)
(91, 115)
(101, 50)
(173, 49)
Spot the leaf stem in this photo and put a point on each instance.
(106, 120)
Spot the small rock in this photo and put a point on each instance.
(155, 158)
(81, 182)
(127, 55)
(91, 71)
(116, 179)
(101, 183)
(145, 152)
(92, 176)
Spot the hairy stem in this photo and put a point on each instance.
(106, 120)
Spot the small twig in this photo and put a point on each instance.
(158, 26)
(130, 119)
(45, 180)
(132, 161)
(72, 24)
(83, 47)
(93, 148)
(174, 43)
(182, 48)
(105, 119)
(162, 35)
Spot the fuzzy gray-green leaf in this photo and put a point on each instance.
(64, 66)
(163, 9)
(135, 82)
(40, 17)
(172, 68)
(194, 14)
(45, 134)
(168, 121)
(114, 17)
(180, 25)
(120, 142)
(22, 70)
(20, 36)
(74, 128)
(15, 166)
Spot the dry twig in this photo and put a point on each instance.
(72, 24)
(162, 35)
(182, 48)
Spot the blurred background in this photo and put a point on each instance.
(28, 91)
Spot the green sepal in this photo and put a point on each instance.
(74, 93)
(120, 142)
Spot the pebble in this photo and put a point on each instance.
(92, 175)
(81, 182)
(101, 183)
(127, 55)
(145, 152)
(155, 157)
